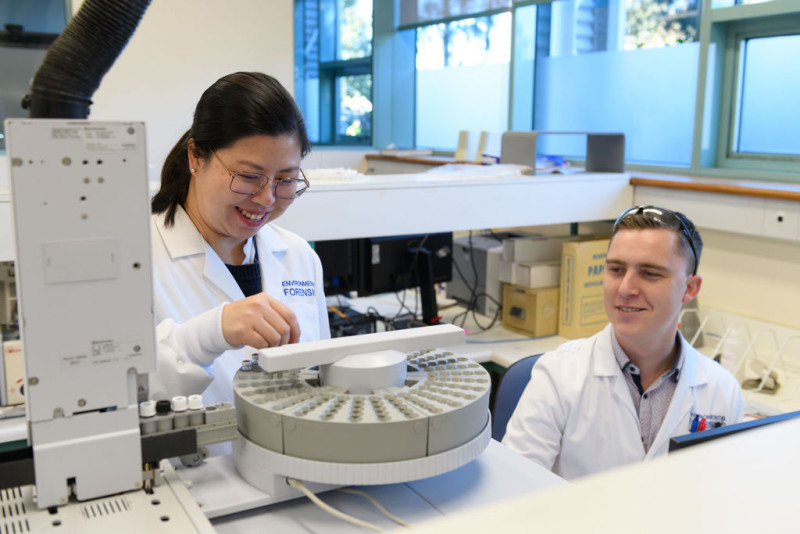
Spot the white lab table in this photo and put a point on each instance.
(744, 483)
(496, 476)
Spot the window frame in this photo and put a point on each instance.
(330, 70)
(728, 129)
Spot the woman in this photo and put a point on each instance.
(226, 279)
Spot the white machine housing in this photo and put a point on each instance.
(81, 210)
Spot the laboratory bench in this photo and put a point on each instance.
(497, 475)
(744, 483)
(383, 164)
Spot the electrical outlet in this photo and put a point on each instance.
(782, 221)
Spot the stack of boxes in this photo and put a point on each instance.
(531, 271)
(553, 285)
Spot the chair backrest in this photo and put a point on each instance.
(509, 390)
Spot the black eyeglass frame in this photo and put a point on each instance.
(275, 181)
(666, 217)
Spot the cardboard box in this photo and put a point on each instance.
(507, 273)
(14, 373)
(531, 312)
(538, 274)
(532, 248)
(581, 309)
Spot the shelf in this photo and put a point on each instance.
(385, 205)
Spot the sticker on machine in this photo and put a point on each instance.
(104, 351)
(109, 138)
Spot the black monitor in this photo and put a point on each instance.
(385, 264)
(687, 440)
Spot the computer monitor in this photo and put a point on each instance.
(385, 264)
(687, 440)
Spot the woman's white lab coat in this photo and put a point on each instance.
(192, 284)
(577, 417)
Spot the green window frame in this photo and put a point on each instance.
(719, 81)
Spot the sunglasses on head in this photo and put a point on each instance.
(666, 218)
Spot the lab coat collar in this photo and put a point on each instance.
(605, 365)
(183, 239)
(692, 377)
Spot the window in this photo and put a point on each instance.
(655, 24)
(334, 70)
(462, 78)
(730, 3)
(618, 66)
(699, 86)
(757, 126)
(767, 110)
(27, 28)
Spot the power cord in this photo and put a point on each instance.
(409, 275)
(377, 505)
(472, 305)
(293, 482)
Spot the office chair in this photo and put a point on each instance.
(511, 386)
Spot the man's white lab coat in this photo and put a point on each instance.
(576, 416)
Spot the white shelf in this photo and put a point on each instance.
(368, 206)
(382, 205)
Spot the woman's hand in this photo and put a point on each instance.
(259, 321)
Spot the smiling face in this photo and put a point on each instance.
(226, 219)
(644, 284)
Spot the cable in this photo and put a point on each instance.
(472, 289)
(293, 482)
(377, 505)
(474, 306)
(409, 278)
(495, 236)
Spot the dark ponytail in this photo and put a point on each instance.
(238, 105)
(175, 177)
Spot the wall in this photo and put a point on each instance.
(749, 266)
(179, 49)
(751, 276)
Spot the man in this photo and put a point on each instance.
(619, 396)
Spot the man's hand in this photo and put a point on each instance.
(259, 321)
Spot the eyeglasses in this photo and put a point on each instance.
(250, 183)
(666, 218)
